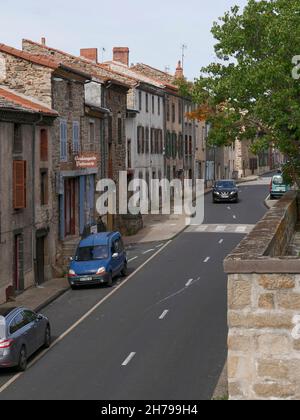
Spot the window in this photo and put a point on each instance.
(18, 141)
(92, 253)
(158, 105)
(29, 317)
(173, 113)
(92, 132)
(19, 184)
(76, 137)
(140, 100)
(44, 187)
(152, 141)
(44, 145)
(110, 130)
(179, 113)
(63, 141)
(168, 112)
(17, 323)
(147, 138)
(153, 104)
(147, 102)
(120, 130)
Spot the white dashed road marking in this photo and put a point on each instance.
(221, 241)
(128, 360)
(147, 252)
(189, 283)
(206, 260)
(132, 259)
(164, 314)
(220, 228)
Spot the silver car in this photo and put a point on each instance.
(22, 333)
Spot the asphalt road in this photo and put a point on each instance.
(159, 335)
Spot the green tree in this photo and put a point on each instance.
(250, 91)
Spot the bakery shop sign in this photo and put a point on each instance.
(86, 160)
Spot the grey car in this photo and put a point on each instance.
(22, 333)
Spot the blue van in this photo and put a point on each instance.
(278, 187)
(98, 259)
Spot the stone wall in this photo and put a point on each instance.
(264, 309)
(27, 78)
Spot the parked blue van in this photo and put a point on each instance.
(98, 259)
(278, 187)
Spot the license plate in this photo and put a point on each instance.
(86, 279)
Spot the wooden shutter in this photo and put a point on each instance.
(44, 145)
(19, 184)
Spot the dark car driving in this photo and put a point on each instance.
(225, 190)
(22, 333)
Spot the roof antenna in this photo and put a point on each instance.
(103, 50)
(183, 48)
(167, 69)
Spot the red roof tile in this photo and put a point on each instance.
(25, 103)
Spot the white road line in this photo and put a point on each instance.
(159, 246)
(147, 252)
(229, 208)
(164, 314)
(128, 360)
(221, 241)
(132, 259)
(201, 228)
(220, 228)
(83, 318)
(206, 260)
(189, 283)
(234, 216)
(241, 229)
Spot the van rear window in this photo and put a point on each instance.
(278, 180)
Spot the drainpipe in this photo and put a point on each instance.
(35, 124)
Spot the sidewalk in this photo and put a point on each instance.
(36, 298)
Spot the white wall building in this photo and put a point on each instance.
(145, 124)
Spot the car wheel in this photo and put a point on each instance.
(124, 272)
(47, 337)
(110, 280)
(22, 364)
(74, 287)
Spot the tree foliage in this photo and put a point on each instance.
(249, 92)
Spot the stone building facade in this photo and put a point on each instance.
(113, 104)
(27, 220)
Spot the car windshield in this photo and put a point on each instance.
(278, 180)
(225, 184)
(92, 253)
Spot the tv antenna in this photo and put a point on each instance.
(183, 49)
(103, 51)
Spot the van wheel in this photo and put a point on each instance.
(22, 364)
(110, 280)
(124, 272)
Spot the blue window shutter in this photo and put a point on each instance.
(63, 141)
(76, 143)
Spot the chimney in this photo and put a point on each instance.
(179, 71)
(121, 54)
(43, 41)
(90, 54)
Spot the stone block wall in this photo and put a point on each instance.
(264, 311)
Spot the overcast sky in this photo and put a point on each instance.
(154, 30)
